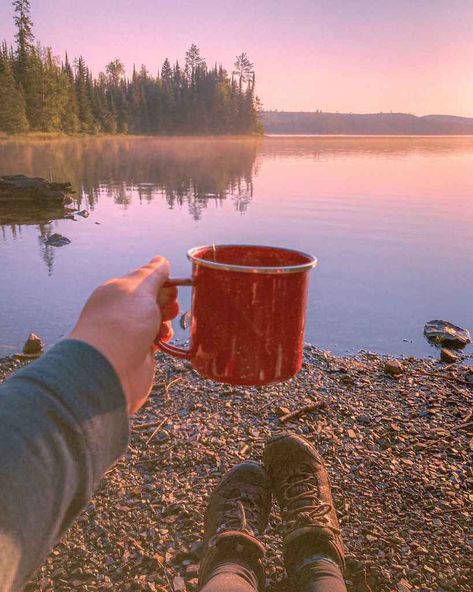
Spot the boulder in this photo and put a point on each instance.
(448, 334)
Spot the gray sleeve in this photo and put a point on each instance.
(63, 422)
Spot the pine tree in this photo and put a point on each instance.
(192, 100)
(243, 70)
(54, 93)
(194, 63)
(13, 118)
(83, 99)
(28, 64)
(70, 118)
(24, 35)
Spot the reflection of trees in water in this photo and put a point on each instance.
(243, 195)
(183, 192)
(13, 229)
(47, 251)
(14, 217)
(192, 171)
(185, 172)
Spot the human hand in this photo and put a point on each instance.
(122, 318)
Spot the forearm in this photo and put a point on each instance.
(63, 424)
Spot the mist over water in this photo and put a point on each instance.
(390, 219)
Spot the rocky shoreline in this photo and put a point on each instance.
(398, 448)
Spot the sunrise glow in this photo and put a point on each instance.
(366, 56)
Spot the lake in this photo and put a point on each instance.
(390, 220)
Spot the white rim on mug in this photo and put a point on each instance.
(310, 264)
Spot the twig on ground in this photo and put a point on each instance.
(302, 411)
(158, 427)
(144, 426)
(169, 384)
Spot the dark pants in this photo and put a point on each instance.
(317, 575)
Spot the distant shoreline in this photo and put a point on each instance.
(47, 137)
(369, 124)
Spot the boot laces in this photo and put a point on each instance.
(301, 501)
(241, 512)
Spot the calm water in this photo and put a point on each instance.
(390, 219)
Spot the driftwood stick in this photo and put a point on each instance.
(156, 430)
(302, 411)
(149, 424)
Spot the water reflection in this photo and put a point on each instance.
(332, 147)
(188, 172)
(28, 212)
(389, 218)
(192, 171)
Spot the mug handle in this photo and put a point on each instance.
(172, 350)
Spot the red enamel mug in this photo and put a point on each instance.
(248, 313)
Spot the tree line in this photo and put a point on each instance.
(40, 92)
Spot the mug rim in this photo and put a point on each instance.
(310, 264)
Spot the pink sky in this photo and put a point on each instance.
(336, 55)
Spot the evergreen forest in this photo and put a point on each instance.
(40, 92)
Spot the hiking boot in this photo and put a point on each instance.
(301, 486)
(237, 513)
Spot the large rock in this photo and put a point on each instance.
(445, 333)
(393, 367)
(33, 345)
(33, 348)
(21, 187)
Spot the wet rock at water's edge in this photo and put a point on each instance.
(448, 334)
(32, 348)
(33, 345)
(393, 367)
(185, 320)
(57, 240)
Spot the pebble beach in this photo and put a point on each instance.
(397, 439)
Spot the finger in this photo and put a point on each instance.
(165, 332)
(166, 296)
(151, 277)
(170, 311)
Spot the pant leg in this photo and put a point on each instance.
(319, 574)
(229, 576)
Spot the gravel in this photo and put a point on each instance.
(398, 449)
